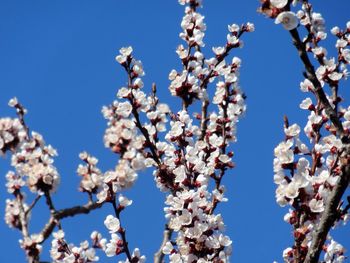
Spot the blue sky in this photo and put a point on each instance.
(57, 57)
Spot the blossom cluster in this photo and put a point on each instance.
(14, 207)
(306, 173)
(12, 213)
(34, 160)
(31, 158)
(61, 252)
(200, 235)
(11, 134)
(125, 134)
(31, 245)
(192, 153)
(91, 175)
(195, 151)
(305, 179)
(116, 245)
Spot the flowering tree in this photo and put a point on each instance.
(189, 151)
(189, 157)
(313, 177)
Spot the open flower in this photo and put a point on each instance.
(112, 223)
(124, 201)
(279, 3)
(288, 19)
(316, 206)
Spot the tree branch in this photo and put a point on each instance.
(37, 198)
(122, 232)
(68, 212)
(159, 255)
(330, 214)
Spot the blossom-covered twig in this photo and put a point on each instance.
(122, 231)
(330, 213)
(314, 190)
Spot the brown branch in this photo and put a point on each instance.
(51, 207)
(63, 213)
(122, 232)
(144, 132)
(159, 255)
(330, 215)
(49, 202)
(30, 208)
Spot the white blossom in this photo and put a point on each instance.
(279, 3)
(112, 223)
(288, 19)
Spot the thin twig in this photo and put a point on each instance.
(122, 232)
(35, 201)
(51, 206)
